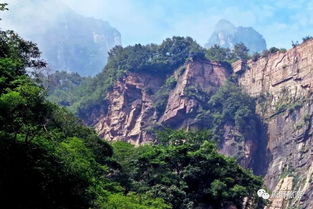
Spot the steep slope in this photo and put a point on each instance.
(57, 162)
(278, 148)
(227, 35)
(69, 41)
(162, 90)
(282, 82)
(132, 109)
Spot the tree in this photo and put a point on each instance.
(133, 201)
(48, 158)
(232, 106)
(241, 51)
(3, 7)
(217, 53)
(306, 38)
(188, 172)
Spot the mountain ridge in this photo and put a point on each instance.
(227, 35)
(280, 84)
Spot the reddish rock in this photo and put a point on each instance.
(282, 82)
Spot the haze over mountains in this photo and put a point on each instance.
(74, 43)
(227, 35)
(69, 41)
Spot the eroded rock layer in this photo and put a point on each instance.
(132, 112)
(283, 84)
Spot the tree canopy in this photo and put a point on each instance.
(186, 171)
(49, 159)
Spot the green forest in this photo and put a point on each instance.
(50, 160)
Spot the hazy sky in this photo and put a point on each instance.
(146, 21)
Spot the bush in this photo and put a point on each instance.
(307, 38)
(255, 56)
(186, 170)
(161, 96)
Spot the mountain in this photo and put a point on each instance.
(78, 44)
(227, 35)
(282, 84)
(265, 123)
(57, 162)
(69, 41)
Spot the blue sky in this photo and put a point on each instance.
(145, 21)
(150, 21)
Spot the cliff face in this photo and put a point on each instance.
(283, 84)
(280, 149)
(203, 76)
(132, 113)
(131, 109)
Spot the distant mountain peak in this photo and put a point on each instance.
(68, 41)
(224, 25)
(227, 35)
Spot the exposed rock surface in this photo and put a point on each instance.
(227, 35)
(283, 84)
(204, 76)
(131, 110)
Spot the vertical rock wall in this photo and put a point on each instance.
(283, 84)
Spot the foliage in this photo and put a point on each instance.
(3, 6)
(48, 158)
(307, 38)
(133, 201)
(161, 96)
(197, 94)
(25, 53)
(227, 106)
(272, 50)
(241, 51)
(294, 44)
(37, 179)
(231, 106)
(186, 171)
(217, 53)
(64, 88)
(83, 95)
(255, 56)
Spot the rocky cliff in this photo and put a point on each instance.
(131, 109)
(132, 112)
(282, 84)
(279, 148)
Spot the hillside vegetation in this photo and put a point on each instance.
(48, 159)
(81, 94)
